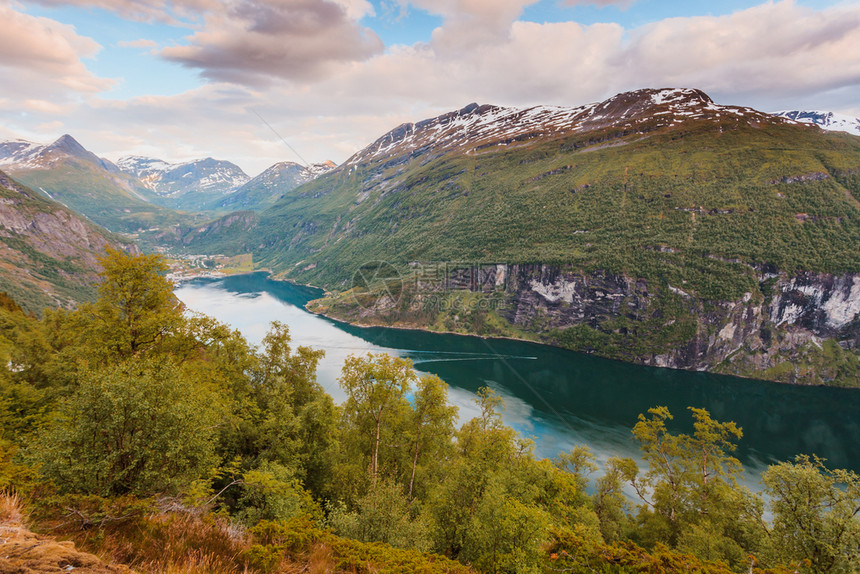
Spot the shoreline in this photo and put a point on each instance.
(415, 329)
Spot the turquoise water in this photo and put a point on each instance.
(557, 397)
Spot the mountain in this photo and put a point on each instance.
(26, 155)
(48, 254)
(66, 172)
(825, 120)
(656, 227)
(265, 189)
(192, 185)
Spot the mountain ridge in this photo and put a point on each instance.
(685, 213)
(480, 127)
(177, 179)
(48, 253)
(829, 121)
(67, 172)
(263, 190)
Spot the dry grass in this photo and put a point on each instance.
(27, 553)
(321, 560)
(10, 508)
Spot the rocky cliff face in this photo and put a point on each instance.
(785, 332)
(802, 328)
(48, 254)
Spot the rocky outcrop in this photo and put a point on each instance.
(790, 315)
(48, 254)
(800, 328)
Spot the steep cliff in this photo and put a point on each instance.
(48, 254)
(801, 328)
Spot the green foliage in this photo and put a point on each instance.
(383, 515)
(376, 387)
(611, 504)
(571, 552)
(503, 533)
(816, 515)
(298, 537)
(271, 492)
(137, 427)
(430, 429)
(692, 499)
(136, 307)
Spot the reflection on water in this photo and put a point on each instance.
(558, 397)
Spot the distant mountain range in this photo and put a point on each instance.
(193, 185)
(656, 227)
(265, 189)
(66, 172)
(826, 120)
(141, 194)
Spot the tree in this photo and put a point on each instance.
(505, 534)
(297, 421)
(376, 387)
(611, 504)
(383, 514)
(140, 427)
(690, 492)
(432, 422)
(816, 515)
(136, 306)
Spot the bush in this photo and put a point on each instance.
(138, 427)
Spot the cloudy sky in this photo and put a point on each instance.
(184, 79)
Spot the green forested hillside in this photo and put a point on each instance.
(673, 205)
(48, 253)
(111, 200)
(165, 442)
(708, 207)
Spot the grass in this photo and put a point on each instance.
(163, 537)
(10, 508)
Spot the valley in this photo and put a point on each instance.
(507, 301)
(656, 227)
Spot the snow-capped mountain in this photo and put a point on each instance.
(174, 180)
(275, 181)
(67, 172)
(20, 155)
(825, 120)
(479, 127)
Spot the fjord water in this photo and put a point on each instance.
(557, 397)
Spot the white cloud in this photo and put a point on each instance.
(173, 11)
(776, 55)
(767, 49)
(142, 43)
(46, 52)
(600, 3)
(252, 42)
(42, 76)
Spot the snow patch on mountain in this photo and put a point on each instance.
(477, 127)
(829, 121)
(176, 179)
(20, 153)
